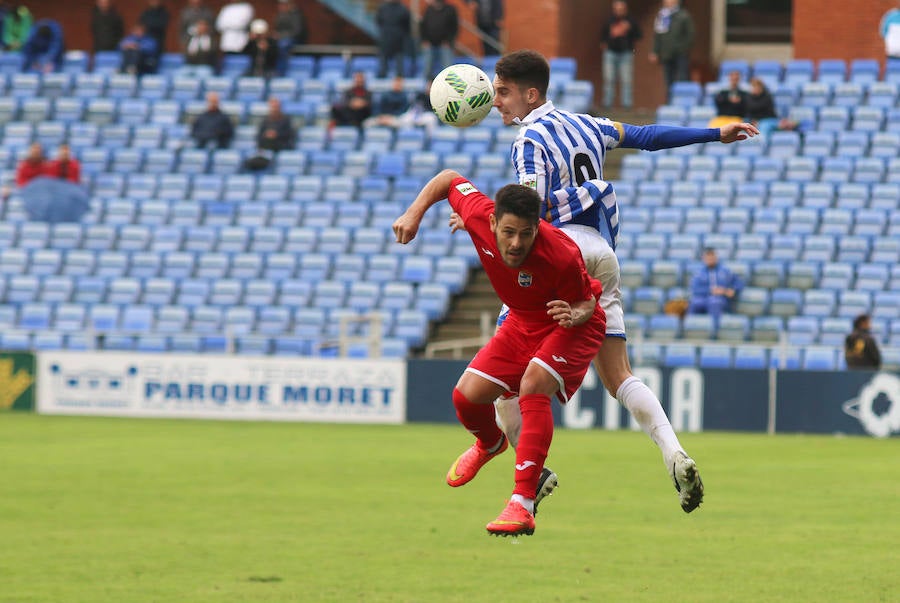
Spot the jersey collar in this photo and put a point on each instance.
(535, 115)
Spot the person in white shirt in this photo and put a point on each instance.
(232, 24)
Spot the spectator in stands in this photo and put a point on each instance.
(212, 127)
(713, 287)
(155, 20)
(262, 50)
(732, 100)
(619, 36)
(233, 23)
(139, 52)
(106, 26)
(64, 167)
(16, 27)
(672, 41)
(44, 49)
(290, 30)
(488, 15)
(355, 106)
(860, 348)
(201, 48)
(394, 41)
(438, 30)
(32, 166)
(276, 133)
(194, 12)
(417, 114)
(890, 31)
(760, 107)
(391, 105)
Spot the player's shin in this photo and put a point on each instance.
(534, 444)
(478, 419)
(644, 406)
(509, 418)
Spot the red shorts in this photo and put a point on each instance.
(564, 353)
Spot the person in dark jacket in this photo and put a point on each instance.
(212, 127)
(276, 133)
(619, 36)
(356, 105)
(139, 52)
(860, 349)
(393, 21)
(391, 105)
(672, 42)
(262, 50)
(290, 30)
(106, 26)
(732, 100)
(488, 14)
(43, 50)
(438, 30)
(155, 20)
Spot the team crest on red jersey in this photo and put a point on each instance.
(524, 279)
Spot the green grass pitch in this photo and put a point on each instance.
(126, 511)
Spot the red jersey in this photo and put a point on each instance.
(553, 269)
(29, 170)
(65, 170)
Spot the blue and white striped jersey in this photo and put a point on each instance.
(560, 154)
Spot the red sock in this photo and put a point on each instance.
(534, 442)
(478, 419)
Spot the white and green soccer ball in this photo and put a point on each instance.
(462, 95)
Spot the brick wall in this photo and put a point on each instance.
(828, 29)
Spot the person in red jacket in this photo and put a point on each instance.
(64, 167)
(34, 165)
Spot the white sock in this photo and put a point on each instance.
(648, 412)
(509, 418)
(528, 503)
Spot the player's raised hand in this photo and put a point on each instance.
(405, 228)
(737, 131)
(456, 223)
(561, 312)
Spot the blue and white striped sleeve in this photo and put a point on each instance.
(531, 166)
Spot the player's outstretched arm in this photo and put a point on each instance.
(655, 137)
(407, 225)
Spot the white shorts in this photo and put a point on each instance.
(602, 264)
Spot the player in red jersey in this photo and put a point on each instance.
(544, 347)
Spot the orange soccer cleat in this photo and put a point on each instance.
(514, 521)
(470, 462)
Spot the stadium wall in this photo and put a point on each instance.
(418, 390)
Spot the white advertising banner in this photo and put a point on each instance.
(222, 387)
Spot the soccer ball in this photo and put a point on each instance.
(462, 95)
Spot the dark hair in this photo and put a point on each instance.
(44, 31)
(859, 320)
(526, 68)
(518, 200)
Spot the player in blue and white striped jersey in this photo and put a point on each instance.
(560, 154)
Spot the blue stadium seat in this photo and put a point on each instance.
(664, 326)
(715, 356)
(751, 357)
(817, 358)
(680, 354)
(699, 327)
